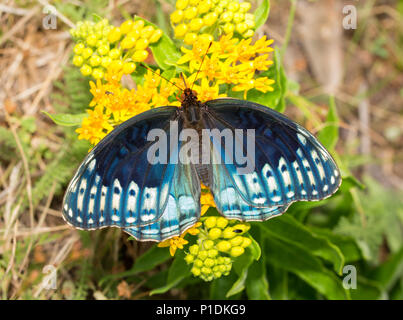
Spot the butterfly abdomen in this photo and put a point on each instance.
(203, 172)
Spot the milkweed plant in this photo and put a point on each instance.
(216, 46)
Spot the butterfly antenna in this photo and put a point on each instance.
(208, 48)
(148, 68)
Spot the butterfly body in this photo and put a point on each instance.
(119, 185)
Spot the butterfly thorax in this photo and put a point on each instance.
(191, 108)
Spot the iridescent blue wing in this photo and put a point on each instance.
(289, 163)
(181, 212)
(117, 185)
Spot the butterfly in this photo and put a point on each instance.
(117, 184)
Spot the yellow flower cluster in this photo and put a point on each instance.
(99, 47)
(229, 61)
(194, 17)
(114, 104)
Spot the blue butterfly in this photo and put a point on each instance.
(117, 185)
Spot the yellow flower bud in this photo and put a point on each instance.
(190, 13)
(237, 251)
(196, 271)
(103, 50)
(241, 27)
(78, 61)
(141, 44)
(214, 233)
(177, 16)
(238, 17)
(222, 222)
(106, 61)
(129, 67)
(114, 53)
(212, 253)
(198, 263)
(210, 18)
(116, 64)
(246, 242)
(155, 36)
(189, 258)
(128, 42)
(206, 270)
(194, 249)
(78, 48)
(180, 30)
(140, 55)
(244, 6)
(223, 3)
(218, 10)
(236, 241)
(228, 28)
(147, 32)
(209, 262)
(208, 244)
(196, 24)
(241, 228)
(114, 35)
(126, 26)
(95, 60)
(233, 6)
(135, 33)
(91, 40)
(227, 16)
(190, 38)
(87, 52)
(223, 246)
(97, 73)
(204, 6)
(194, 2)
(202, 255)
(248, 34)
(210, 222)
(206, 37)
(250, 23)
(181, 4)
(138, 25)
(228, 233)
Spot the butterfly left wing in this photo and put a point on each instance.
(289, 163)
(116, 185)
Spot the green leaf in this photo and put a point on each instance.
(330, 133)
(367, 290)
(350, 182)
(66, 119)
(390, 271)
(178, 271)
(347, 245)
(262, 13)
(151, 259)
(289, 230)
(257, 287)
(166, 54)
(306, 266)
(273, 99)
(241, 265)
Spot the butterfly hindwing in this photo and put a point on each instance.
(116, 185)
(289, 164)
